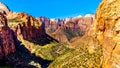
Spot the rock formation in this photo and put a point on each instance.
(29, 28)
(106, 27)
(3, 8)
(7, 44)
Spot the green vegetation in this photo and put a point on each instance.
(52, 51)
(35, 64)
(44, 51)
(48, 52)
(63, 57)
(79, 58)
(72, 34)
(14, 20)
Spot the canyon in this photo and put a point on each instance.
(90, 41)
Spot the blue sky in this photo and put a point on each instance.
(53, 8)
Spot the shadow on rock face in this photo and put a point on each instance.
(22, 58)
(43, 40)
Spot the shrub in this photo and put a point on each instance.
(79, 58)
(72, 34)
(14, 20)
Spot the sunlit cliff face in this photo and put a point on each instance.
(107, 30)
(4, 8)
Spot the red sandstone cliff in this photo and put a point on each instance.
(28, 28)
(7, 44)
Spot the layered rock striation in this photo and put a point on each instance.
(26, 27)
(7, 44)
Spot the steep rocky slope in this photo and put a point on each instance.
(28, 28)
(107, 31)
(7, 44)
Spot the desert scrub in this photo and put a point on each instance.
(44, 51)
(49, 51)
(14, 20)
(79, 58)
(59, 50)
(52, 51)
(35, 64)
(72, 34)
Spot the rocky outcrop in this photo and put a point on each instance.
(29, 28)
(3, 8)
(106, 30)
(106, 26)
(80, 23)
(7, 44)
(26, 26)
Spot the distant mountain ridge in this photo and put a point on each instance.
(61, 29)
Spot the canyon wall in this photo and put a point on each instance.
(7, 44)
